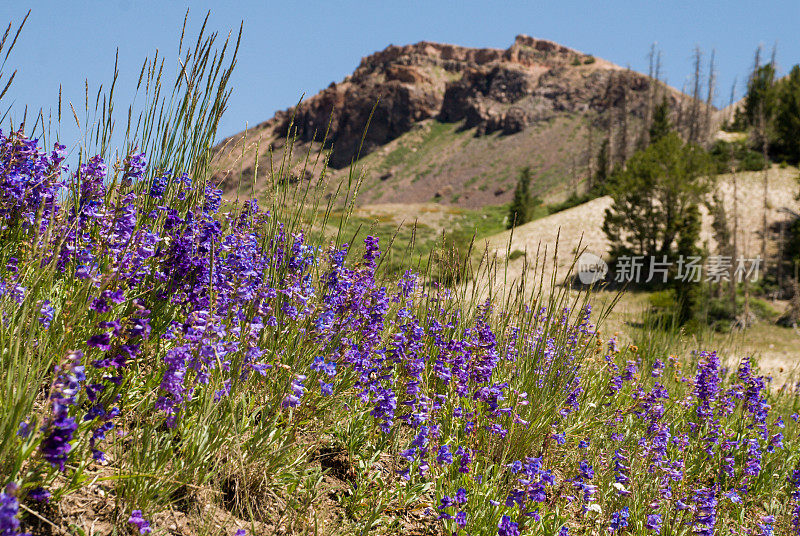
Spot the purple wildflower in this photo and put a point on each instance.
(766, 525)
(461, 519)
(39, 494)
(292, 400)
(653, 523)
(9, 509)
(159, 185)
(619, 520)
(134, 166)
(46, 314)
(705, 518)
(506, 527)
(326, 389)
(139, 522)
(444, 456)
(59, 429)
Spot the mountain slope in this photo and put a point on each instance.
(580, 227)
(454, 124)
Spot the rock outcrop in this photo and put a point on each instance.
(489, 90)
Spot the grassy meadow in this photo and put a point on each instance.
(172, 362)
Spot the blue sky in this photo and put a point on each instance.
(293, 48)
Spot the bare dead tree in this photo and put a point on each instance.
(781, 246)
(763, 125)
(574, 175)
(662, 90)
(746, 285)
(735, 241)
(609, 119)
(622, 147)
(730, 116)
(590, 149)
(644, 132)
(680, 113)
(658, 71)
(651, 57)
(711, 87)
(694, 110)
(722, 234)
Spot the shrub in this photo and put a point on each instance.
(752, 161)
(573, 200)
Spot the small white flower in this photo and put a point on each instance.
(594, 507)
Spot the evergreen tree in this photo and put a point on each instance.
(600, 177)
(661, 125)
(688, 292)
(654, 197)
(787, 116)
(792, 247)
(761, 95)
(519, 212)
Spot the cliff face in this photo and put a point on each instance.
(521, 91)
(491, 89)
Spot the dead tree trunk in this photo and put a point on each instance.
(712, 77)
(622, 148)
(735, 241)
(590, 150)
(680, 114)
(694, 111)
(644, 132)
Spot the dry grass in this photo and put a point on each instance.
(777, 348)
(581, 226)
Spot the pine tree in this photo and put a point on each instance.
(654, 195)
(661, 125)
(519, 212)
(687, 292)
(600, 177)
(761, 96)
(787, 117)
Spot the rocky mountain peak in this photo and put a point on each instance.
(490, 88)
(485, 89)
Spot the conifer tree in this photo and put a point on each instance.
(519, 212)
(688, 292)
(661, 125)
(600, 177)
(787, 117)
(654, 197)
(759, 104)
